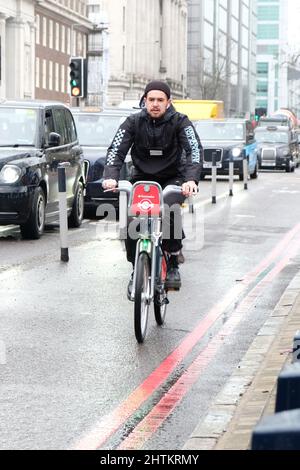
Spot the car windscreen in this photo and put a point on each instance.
(272, 137)
(220, 130)
(18, 126)
(96, 129)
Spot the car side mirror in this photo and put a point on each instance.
(54, 139)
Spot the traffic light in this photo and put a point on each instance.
(77, 77)
(259, 112)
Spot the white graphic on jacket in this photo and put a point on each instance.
(190, 134)
(115, 147)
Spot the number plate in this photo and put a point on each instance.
(209, 165)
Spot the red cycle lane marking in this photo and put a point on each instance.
(172, 398)
(110, 423)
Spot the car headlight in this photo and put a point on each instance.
(285, 153)
(10, 174)
(236, 152)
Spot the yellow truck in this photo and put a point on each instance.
(200, 109)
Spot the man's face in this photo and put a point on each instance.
(156, 103)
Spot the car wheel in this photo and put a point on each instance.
(288, 167)
(76, 216)
(34, 227)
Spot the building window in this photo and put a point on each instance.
(37, 33)
(57, 36)
(50, 75)
(44, 75)
(63, 39)
(68, 33)
(262, 87)
(37, 72)
(268, 31)
(267, 13)
(56, 77)
(62, 79)
(51, 34)
(262, 69)
(44, 32)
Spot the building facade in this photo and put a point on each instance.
(222, 53)
(62, 29)
(37, 38)
(272, 59)
(17, 39)
(143, 40)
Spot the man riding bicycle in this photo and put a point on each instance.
(158, 136)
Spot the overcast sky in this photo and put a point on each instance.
(294, 21)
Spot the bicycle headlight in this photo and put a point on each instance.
(236, 152)
(10, 174)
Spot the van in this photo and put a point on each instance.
(200, 109)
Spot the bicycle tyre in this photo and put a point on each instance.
(160, 297)
(142, 289)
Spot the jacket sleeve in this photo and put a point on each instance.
(118, 149)
(191, 143)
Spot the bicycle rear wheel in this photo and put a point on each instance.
(160, 295)
(141, 299)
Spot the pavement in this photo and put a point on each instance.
(250, 392)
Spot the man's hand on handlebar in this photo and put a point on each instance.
(189, 188)
(109, 185)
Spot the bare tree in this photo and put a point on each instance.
(213, 80)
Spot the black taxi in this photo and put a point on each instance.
(277, 148)
(34, 138)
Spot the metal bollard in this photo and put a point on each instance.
(123, 215)
(191, 205)
(63, 213)
(245, 171)
(288, 388)
(280, 431)
(231, 172)
(214, 179)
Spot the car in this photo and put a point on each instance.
(227, 138)
(278, 148)
(34, 138)
(277, 120)
(96, 130)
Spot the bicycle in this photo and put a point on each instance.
(145, 201)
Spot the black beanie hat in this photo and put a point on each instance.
(156, 85)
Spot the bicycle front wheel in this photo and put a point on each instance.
(160, 295)
(141, 299)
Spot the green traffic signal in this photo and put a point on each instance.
(77, 77)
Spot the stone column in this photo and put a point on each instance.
(15, 61)
(3, 18)
(32, 39)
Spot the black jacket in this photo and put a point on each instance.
(158, 146)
